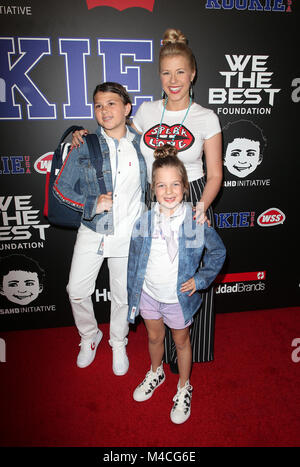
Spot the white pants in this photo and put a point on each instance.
(85, 267)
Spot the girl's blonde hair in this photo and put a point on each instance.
(166, 156)
(174, 42)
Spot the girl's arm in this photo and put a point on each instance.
(213, 259)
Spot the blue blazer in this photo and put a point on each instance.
(77, 168)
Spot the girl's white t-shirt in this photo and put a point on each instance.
(161, 275)
(199, 124)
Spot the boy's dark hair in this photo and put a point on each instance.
(110, 86)
(19, 263)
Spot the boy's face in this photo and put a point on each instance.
(242, 156)
(21, 287)
(111, 112)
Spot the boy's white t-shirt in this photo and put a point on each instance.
(127, 204)
(160, 280)
(200, 124)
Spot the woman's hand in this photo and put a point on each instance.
(104, 202)
(77, 137)
(200, 214)
(189, 285)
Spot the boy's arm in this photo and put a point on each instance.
(213, 259)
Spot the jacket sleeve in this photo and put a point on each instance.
(132, 272)
(67, 187)
(133, 258)
(213, 258)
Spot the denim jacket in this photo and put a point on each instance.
(77, 185)
(196, 242)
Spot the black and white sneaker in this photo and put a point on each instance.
(152, 380)
(181, 409)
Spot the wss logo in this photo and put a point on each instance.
(270, 217)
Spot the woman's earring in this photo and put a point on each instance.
(164, 95)
(191, 91)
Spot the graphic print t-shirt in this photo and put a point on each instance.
(200, 124)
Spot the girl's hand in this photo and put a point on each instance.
(77, 137)
(104, 203)
(200, 214)
(189, 285)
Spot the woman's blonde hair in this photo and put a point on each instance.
(174, 42)
(166, 156)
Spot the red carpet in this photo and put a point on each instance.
(249, 396)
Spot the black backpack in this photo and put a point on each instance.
(55, 211)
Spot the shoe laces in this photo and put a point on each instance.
(183, 397)
(85, 345)
(150, 378)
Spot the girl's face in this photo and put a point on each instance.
(168, 188)
(176, 76)
(111, 112)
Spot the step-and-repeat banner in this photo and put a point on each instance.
(52, 55)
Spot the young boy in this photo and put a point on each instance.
(107, 220)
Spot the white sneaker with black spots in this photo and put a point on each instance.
(181, 409)
(152, 380)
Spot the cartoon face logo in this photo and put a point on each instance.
(242, 157)
(177, 136)
(244, 144)
(121, 4)
(21, 279)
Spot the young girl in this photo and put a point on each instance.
(166, 247)
(107, 220)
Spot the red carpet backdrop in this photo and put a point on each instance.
(52, 55)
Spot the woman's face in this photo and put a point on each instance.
(176, 76)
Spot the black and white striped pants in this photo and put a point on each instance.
(202, 329)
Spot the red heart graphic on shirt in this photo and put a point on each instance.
(180, 137)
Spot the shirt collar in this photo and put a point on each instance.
(128, 136)
(176, 218)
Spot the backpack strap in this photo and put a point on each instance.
(69, 130)
(96, 158)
